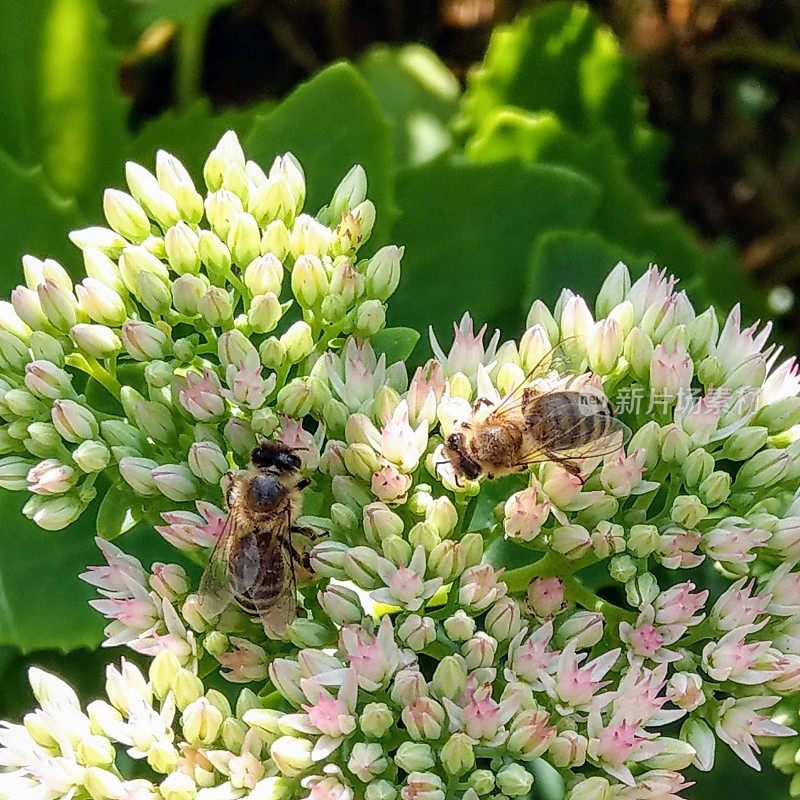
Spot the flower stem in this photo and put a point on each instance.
(94, 369)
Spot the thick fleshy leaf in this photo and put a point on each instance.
(330, 123)
(418, 93)
(43, 603)
(188, 135)
(35, 220)
(472, 227)
(61, 95)
(562, 59)
(396, 343)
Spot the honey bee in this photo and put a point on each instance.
(257, 562)
(530, 425)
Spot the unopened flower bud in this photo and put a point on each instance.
(73, 421)
(298, 341)
(674, 444)
(744, 443)
(763, 469)
(647, 439)
(53, 513)
(214, 253)
(207, 462)
(138, 474)
(571, 541)
(291, 755)
(514, 780)
(370, 318)
(568, 749)
(296, 398)
(309, 281)
(380, 790)
(605, 346)
(215, 306)
(687, 511)
(614, 290)
(380, 521)
(97, 341)
(622, 568)
(417, 632)
(449, 678)
(125, 215)
(383, 272)
(643, 540)
(641, 590)
(504, 620)
(143, 341)
(153, 293)
(178, 786)
(376, 719)
(48, 381)
(595, 788)
(175, 481)
(414, 757)
(638, 351)
(715, 489)
(700, 738)
(460, 626)
(244, 239)
(457, 754)
(481, 781)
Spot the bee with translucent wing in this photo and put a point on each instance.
(258, 561)
(534, 423)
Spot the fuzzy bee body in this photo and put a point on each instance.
(256, 563)
(560, 425)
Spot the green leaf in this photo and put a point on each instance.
(396, 343)
(189, 135)
(625, 217)
(577, 260)
(472, 227)
(35, 220)
(119, 511)
(559, 58)
(182, 11)
(43, 603)
(330, 123)
(61, 91)
(562, 59)
(418, 93)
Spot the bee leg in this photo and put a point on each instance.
(303, 483)
(301, 558)
(573, 469)
(309, 533)
(481, 401)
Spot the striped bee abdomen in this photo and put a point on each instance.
(565, 420)
(258, 572)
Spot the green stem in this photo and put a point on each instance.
(551, 565)
(189, 59)
(580, 594)
(94, 369)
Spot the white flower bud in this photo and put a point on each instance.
(276, 239)
(264, 274)
(214, 253)
(59, 305)
(125, 215)
(181, 244)
(144, 187)
(207, 462)
(614, 290)
(134, 261)
(383, 272)
(514, 780)
(91, 456)
(98, 341)
(292, 756)
(309, 281)
(138, 474)
(53, 513)
(28, 307)
(174, 178)
(244, 239)
(298, 341)
(103, 239)
(101, 302)
(215, 306)
(11, 323)
(414, 757)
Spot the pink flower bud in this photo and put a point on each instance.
(525, 513)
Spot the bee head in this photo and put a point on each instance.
(264, 493)
(455, 450)
(274, 455)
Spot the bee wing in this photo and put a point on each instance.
(270, 554)
(215, 592)
(561, 446)
(561, 359)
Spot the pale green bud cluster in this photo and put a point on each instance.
(200, 316)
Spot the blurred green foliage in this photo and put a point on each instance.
(542, 174)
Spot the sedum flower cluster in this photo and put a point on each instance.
(461, 639)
